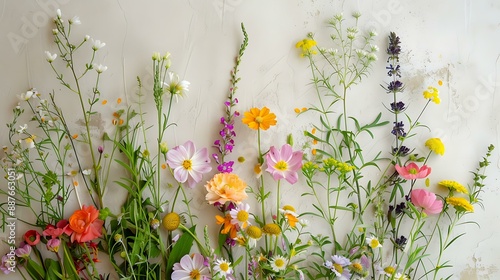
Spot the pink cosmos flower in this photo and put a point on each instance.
(426, 200)
(412, 171)
(284, 163)
(190, 268)
(188, 163)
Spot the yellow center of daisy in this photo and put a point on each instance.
(254, 232)
(281, 165)
(242, 216)
(224, 266)
(259, 119)
(195, 274)
(374, 243)
(178, 88)
(279, 263)
(357, 267)
(389, 270)
(272, 229)
(187, 164)
(338, 267)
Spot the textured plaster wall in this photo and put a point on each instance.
(457, 41)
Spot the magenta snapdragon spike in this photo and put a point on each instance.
(226, 143)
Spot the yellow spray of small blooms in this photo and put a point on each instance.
(435, 145)
(306, 46)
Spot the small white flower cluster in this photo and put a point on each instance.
(96, 44)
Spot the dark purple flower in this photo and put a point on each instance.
(402, 151)
(394, 48)
(398, 129)
(400, 208)
(393, 70)
(401, 242)
(395, 86)
(100, 149)
(227, 103)
(236, 113)
(397, 106)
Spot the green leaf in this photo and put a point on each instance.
(53, 269)
(35, 270)
(68, 263)
(181, 248)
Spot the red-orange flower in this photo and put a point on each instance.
(85, 224)
(32, 237)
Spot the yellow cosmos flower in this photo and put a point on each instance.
(454, 186)
(435, 145)
(306, 46)
(259, 118)
(460, 204)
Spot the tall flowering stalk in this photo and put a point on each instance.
(67, 50)
(227, 134)
(335, 72)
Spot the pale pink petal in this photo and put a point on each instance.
(189, 148)
(187, 263)
(292, 177)
(181, 275)
(272, 156)
(175, 158)
(296, 161)
(180, 174)
(286, 152)
(198, 261)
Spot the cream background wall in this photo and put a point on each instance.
(456, 41)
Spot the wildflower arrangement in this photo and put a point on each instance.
(377, 227)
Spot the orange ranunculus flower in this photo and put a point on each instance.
(259, 118)
(226, 187)
(85, 224)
